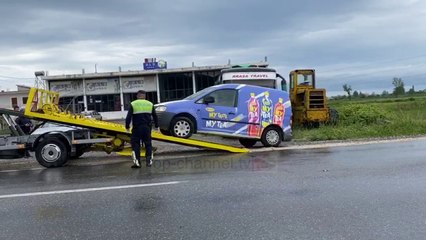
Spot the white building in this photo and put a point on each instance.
(110, 93)
(9, 99)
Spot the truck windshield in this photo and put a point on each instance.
(269, 83)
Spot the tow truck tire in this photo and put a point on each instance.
(78, 153)
(182, 127)
(51, 152)
(248, 142)
(271, 136)
(165, 132)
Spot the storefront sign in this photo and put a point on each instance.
(152, 63)
(61, 87)
(67, 88)
(134, 84)
(94, 86)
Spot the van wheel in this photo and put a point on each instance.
(51, 152)
(248, 142)
(271, 136)
(182, 127)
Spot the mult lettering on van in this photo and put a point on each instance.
(218, 115)
(216, 124)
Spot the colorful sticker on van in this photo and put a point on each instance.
(267, 109)
(253, 116)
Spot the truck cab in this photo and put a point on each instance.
(253, 75)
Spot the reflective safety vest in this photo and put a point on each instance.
(142, 106)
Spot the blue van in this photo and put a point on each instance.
(247, 112)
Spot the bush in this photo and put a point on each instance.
(363, 114)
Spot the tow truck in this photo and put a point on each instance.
(81, 134)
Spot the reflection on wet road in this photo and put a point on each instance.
(357, 192)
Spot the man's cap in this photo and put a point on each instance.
(141, 92)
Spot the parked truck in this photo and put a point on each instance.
(309, 103)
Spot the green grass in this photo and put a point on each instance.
(371, 118)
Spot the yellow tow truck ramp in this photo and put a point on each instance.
(43, 105)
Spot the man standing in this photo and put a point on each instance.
(24, 123)
(141, 114)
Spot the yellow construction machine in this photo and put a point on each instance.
(309, 104)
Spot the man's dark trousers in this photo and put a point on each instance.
(141, 133)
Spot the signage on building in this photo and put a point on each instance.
(95, 86)
(67, 88)
(152, 63)
(248, 75)
(102, 86)
(61, 87)
(134, 84)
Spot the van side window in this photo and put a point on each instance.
(223, 97)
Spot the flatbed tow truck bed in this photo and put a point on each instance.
(53, 149)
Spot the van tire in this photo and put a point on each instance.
(271, 136)
(248, 142)
(51, 152)
(182, 127)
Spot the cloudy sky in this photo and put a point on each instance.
(362, 43)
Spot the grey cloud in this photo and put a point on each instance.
(347, 41)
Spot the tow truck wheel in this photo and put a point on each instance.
(51, 152)
(248, 142)
(182, 127)
(165, 132)
(271, 137)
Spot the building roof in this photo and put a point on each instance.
(21, 89)
(139, 72)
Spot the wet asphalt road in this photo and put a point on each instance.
(375, 191)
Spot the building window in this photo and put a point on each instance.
(175, 86)
(14, 102)
(129, 97)
(24, 100)
(72, 104)
(204, 79)
(104, 103)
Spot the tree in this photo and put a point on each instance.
(355, 94)
(399, 86)
(348, 89)
(411, 91)
(385, 93)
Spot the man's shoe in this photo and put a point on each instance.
(136, 163)
(149, 163)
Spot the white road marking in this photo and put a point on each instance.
(86, 190)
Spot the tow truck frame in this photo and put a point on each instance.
(55, 148)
